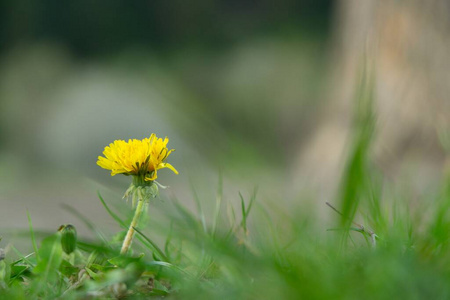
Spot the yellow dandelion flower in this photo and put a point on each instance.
(140, 158)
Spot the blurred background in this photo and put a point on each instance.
(258, 92)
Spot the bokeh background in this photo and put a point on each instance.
(258, 92)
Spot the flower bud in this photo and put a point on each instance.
(68, 238)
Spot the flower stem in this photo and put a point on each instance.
(137, 215)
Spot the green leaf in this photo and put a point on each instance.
(47, 268)
(50, 255)
(67, 269)
(122, 261)
(92, 274)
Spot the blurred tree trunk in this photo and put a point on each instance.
(407, 43)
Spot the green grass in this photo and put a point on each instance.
(252, 249)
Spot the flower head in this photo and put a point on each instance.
(141, 158)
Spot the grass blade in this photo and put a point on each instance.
(355, 178)
(33, 239)
(219, 197)
(110, 212)
(88, 223)
(199, 207)
(159, 253)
